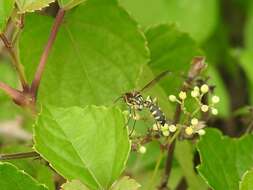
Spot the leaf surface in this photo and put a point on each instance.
(6, 8)
(94, 59)
(89, 144)
(32, 5)
(224, 160)
(11, 178)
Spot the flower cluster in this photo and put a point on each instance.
(192, 125)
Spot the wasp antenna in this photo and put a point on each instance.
(117, 99)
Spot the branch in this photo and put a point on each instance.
(197, 66)
(19, 155)
(44, 56)
(16, 95)
(18, 66)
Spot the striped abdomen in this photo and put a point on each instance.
(157, 114)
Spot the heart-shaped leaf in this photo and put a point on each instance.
(89, 144)
(68, 4)
(74, 185)
(95, 57)
(11, 178)
(247, 181)
(32, 5)
(224, 160)
(6, 8)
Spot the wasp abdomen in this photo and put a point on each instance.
(157, 114)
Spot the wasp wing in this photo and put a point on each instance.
(155, 80)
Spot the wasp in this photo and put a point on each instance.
(136, 101)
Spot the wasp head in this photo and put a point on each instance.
(134, 99)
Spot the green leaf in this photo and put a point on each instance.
(198, 17)
(32, 5)
(6, 8)
(69, 4)
(126, 183)
(11, 178)
(35, 168)
(248, 39)
(89, 144)
(184, 154)
(74, 185)
(173, 50)
(247, 181)
(93, 56)
(224, 160)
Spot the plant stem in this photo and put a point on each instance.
(158, 163)
(13, 93)
(170, 153)
(19, 155)
(16, 62)
(44, 56)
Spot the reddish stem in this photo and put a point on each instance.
(16, 95)
(44, 57)
(16, 62)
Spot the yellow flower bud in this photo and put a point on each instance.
(142, 149)
(214, 111)
(172, 128)
(166, 133)
(182, 95)
(172, 98)
(194, 121)
(215, 99)
(155, 127)
(204, 88)
(194, 93)
(204, 108)
(189, 131)
(201, 132)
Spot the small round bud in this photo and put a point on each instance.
(172, 128)
(201, 132)
(196, 88)
(204, 108)
(189, 131)
(194, 93)
(155, 127)
(194, 121)
(172, 98)
(165, 127)
(166, 133)
(182, 95)
(142, 149)
(204, 88)
(215, 99)
(214, 111)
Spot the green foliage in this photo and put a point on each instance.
(247, 181)
(173, 50)
(125, 183)
(12, 178)
(32, 5)
(197, 17)
(68, 4)
(184, 154)
(224, 160)
(97, 51)
(74, 185)
(6, 8)
(64, 136)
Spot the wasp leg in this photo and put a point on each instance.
(133, 128)
(128, 119)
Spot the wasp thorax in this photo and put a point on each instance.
(134, 99)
